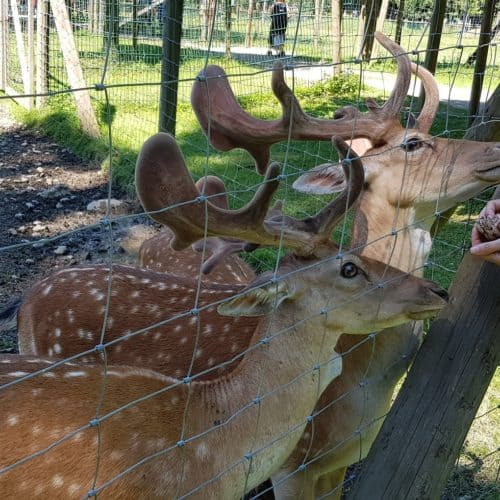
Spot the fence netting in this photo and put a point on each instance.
(104, 69)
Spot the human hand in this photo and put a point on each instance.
(488, 250)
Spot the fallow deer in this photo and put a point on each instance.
(410, 178)
(82, 430)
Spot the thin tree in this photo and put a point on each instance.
(336, 36)
(399, 22)
(249, 34)
(112, 23)
(227, 35)
(371, 12)
(317, 22)
(380, 24)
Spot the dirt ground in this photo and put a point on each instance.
(45, 190)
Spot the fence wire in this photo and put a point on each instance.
(117, 49)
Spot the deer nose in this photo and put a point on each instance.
(441, 292)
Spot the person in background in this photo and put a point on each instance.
(487, 250)
(277, 32)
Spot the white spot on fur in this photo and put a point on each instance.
(17, 374)
(57, 331)
(47, 290)
(12, 420)
(75, 374)
(74, 488)
(57, 481)
(57, 348)
(202, 451)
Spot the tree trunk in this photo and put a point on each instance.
(380, 24)
(134, 24)
(336, 34)
(371, 14)
(227, 36)
(112, 24)
(249, 35)
(317, 21)
(399, 22)
(485, 38)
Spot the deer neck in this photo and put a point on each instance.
(391, 234)
(278, 377)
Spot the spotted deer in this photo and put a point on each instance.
(410, 177)
(81, 430)
(211, 258)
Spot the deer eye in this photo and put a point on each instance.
(349, 270)
(412, 144)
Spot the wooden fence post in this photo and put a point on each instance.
(170, 64)
(421, 437)
(4, 44)
(42, 51)
(75, 74)
(30, 64)
(434, 41)
(481, 57)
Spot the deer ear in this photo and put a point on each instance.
(327, 178)
(256, 301)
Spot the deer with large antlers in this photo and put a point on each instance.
(410, 177)
(161, 435)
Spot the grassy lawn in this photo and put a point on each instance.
(131, 115)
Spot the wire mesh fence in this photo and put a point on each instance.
(174, 386)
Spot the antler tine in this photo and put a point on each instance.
(431, 103)
(314, 232)
(213, 187)
(166, 190)
(378, 121)
(354, 173)
(393, 105)
(226, 124)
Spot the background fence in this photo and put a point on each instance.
(118, 71)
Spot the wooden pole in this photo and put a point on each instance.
(481, 57)
(4, 44)
(372, 11)
(21, 52)
(75, 74)
(434, 41)
(171, 55)
(420, 439)
(30, 84)
(336, 36)
(42, 51)
(227, 35)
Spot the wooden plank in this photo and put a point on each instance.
(21, 53)
(417, 446)
(4, 44)
(30, 64)
(485, 37)
(42, 51)
(170, 64)
(75, 74)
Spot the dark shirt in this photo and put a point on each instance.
(279, 18)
